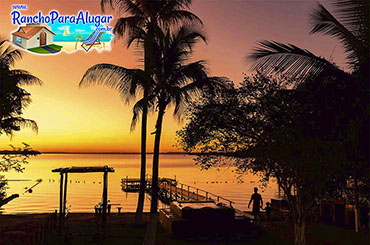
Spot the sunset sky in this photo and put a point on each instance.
(95, 119)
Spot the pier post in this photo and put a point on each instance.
(206, 196)
(61, 202)
(105, 197)
(165, 192)
(126, 183)
(188, 192)
(197, 194)
(182, 188)
(65, 194)
(176, 190)
(170, 192)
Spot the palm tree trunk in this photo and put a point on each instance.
(155, 187)
(150, 235)
(138, 219)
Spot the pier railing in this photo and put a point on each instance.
(190, 193)
(171, 190)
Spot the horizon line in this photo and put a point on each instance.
(112, 153)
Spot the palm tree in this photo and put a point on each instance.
(176, 83)
(352, 29)
(353, 32)
(13, 98)
(143, 20)
(78, 37)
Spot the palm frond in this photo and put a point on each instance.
(288, 59)
(177, 47)
(26, 101)
(210, 83)
(138, 36)
(9, 125)
(182, 96)
(14, 98)
(132, 7)
(121, 6)
(3, 45)
(192, 71)
(9, 55)
(131, 25)
(138, 109)
(23, 77)
(324, 22)
(105, 2)
(125, 81)
(174, 5)
(177, 17)
(27, 123)
(354, 14)
(187, 36)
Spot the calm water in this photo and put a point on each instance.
(85, 190)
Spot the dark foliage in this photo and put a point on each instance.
(13, 98)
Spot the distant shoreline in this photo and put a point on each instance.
(118, 153)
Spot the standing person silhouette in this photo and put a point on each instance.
(257, 203)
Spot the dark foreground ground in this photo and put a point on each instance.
(83, 229)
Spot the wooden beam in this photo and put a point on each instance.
(105, 197)
(83, 169)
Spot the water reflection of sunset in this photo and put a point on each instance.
(85, 190)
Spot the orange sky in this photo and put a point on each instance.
(96, 119)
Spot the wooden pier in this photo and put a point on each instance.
(170, 190)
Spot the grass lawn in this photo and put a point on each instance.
(83, 229)
(56, 47)
(321, 234)
(328, 234)
(40, 50)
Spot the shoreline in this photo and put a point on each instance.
(100, 153)
(70, 46)
(119, 153)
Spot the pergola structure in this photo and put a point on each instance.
(63, 191)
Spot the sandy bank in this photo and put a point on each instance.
(72, 46)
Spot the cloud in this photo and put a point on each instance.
(81, 31)
(61, 28)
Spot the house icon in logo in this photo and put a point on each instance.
(33, 35)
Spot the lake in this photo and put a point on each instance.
(85, 190)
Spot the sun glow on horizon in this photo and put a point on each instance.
(96, 119)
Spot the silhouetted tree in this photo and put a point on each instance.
(176, 83)
(352, 29)
(271, 127)
(145, 17)
(13, 98)
(13, 159)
